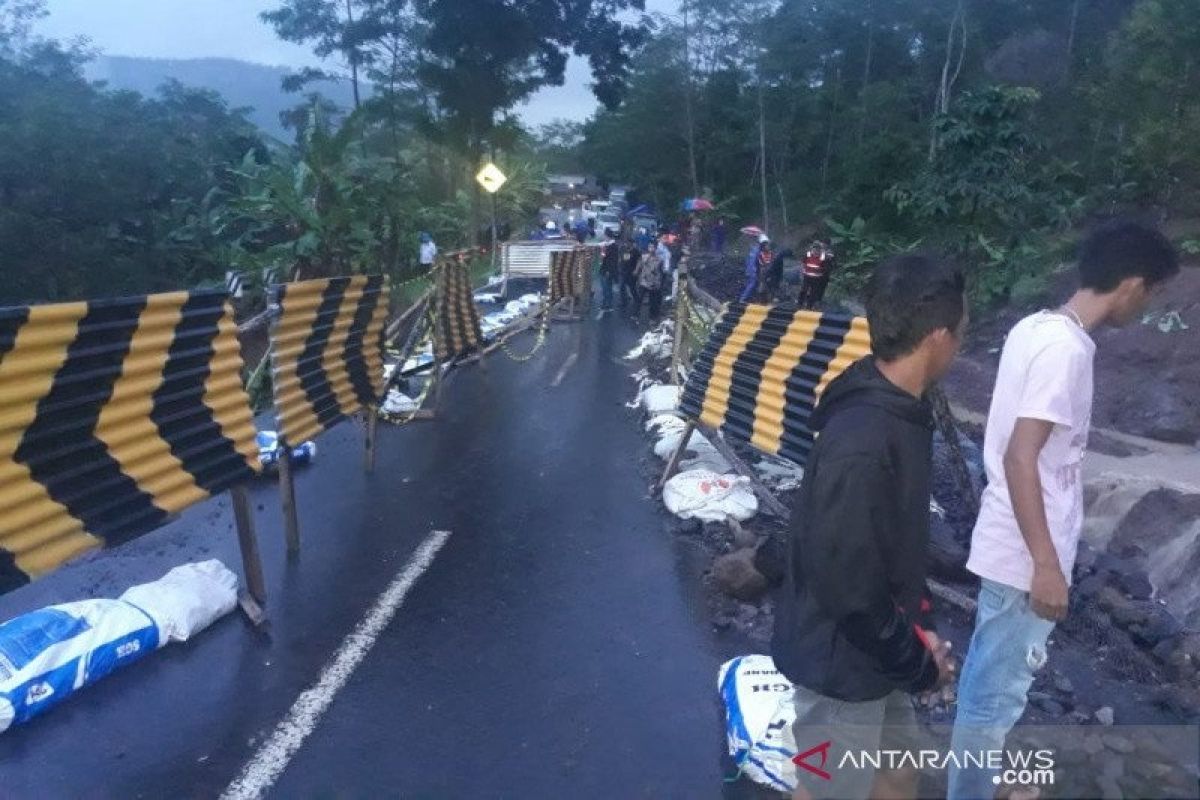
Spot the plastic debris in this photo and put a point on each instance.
(269, 450)
(397, 402)
(779, 475)
(656, 344)
(52, 653)
(759, 715)
(710, 496)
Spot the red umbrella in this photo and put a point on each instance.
(753, 230)
(698, 204)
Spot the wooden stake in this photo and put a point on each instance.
(248, 543)
(287, 496)
(771, 503)
(372, 429)
(673, 461)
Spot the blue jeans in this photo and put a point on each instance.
(1008, 646)
(748, 292)
(606, 288)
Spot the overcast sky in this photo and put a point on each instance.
(232, 29)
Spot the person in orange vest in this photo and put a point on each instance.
(818, 264)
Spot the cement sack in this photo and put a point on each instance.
(50, 654)
(709, 496)
(758, 720)
(187, 599)
(669, 430)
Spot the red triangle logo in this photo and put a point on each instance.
(801, 760)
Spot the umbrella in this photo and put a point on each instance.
(753, 230)
(698, 204)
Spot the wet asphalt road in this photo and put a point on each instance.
(557, 646)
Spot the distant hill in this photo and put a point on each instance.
(241, 83)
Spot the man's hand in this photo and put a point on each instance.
(1048, 592)
(941, 657)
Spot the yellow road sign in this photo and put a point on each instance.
(491, 178)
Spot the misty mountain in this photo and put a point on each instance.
(241, 83)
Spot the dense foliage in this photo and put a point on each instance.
(983, 126)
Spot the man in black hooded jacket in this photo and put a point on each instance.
(851, 629)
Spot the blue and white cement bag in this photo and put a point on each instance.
(50, 654)
(758, 720)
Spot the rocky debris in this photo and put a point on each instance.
(684, 527)
(1162, 412)
(1161, 535)
(742, 536)
(1105, 716)
(736, 575)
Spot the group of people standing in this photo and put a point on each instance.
(766, 273)
(640, 271)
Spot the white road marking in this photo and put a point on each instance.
(570, 362)
(261, 772)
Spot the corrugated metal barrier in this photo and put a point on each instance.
(456, 331)
(114, 415)
(326, 352)
(571, 274)
(763, 369)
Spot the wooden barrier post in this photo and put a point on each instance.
(287, 496)
(256, 586)
(673, 461)
(680, 312)
(372, 430)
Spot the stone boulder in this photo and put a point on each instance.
(736, 575)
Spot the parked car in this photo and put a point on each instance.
(606, 221)
(592, 209)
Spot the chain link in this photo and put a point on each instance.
(541, 338)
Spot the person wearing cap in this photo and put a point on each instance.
(753, 259)
(818, 264)
(428, 251)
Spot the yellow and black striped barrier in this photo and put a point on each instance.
(456, 330)
(114, 416)
(571, 278)
(764, 368)
(326, 352)
(326, 365)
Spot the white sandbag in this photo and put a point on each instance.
(661, 399)
(758, 720)
(50, 654)
(187, 599)
(487, 297)
(704, 455)
(709, 496)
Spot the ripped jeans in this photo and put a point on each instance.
(1008, 646)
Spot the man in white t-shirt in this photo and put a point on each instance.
(1024, 544)
(428, 251)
